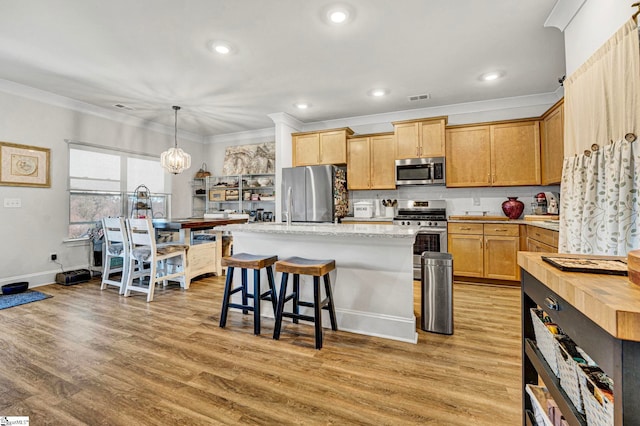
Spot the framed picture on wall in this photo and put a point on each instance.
(24, 165)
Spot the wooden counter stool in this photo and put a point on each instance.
(248, 261)
(316, 268)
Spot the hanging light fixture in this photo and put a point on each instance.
(175, 160)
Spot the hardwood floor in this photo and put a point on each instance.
(92, 357)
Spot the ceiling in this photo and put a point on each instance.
(151, 54)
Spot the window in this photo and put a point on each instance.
(101, 183)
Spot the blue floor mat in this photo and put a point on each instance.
(11, 300)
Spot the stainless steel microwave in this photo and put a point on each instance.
(420, 171)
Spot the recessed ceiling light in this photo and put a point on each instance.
(490, 76)
(302, 105)
(221, 47)
(338, 14)
(378, 93)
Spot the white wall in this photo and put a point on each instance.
(39, 227)
(593, 25)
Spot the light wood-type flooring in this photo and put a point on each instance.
(91, 357)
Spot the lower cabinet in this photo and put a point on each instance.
(542, 240)
(486, 250)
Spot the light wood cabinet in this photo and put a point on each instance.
(541, 239)
(420, 138)
(500, 154)
(370, 162)
(552, 144)
(515, 154)
(485, 250)
(468, 156)
(326, 147)
(466, 245)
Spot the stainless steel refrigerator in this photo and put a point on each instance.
(313, 193)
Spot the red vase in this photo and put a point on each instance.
(513, 208)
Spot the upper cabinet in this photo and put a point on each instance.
(552, 144)
(370, 162)
(515, 153)
(420, 138)
(468, 156)
(324, 147)
(501, 154)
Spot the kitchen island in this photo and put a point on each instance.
(601, 314)
(373, 280)
(203, 256)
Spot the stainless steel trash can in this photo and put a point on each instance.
(437, 292)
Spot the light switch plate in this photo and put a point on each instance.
(12, 203)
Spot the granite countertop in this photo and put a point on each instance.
(553, 225)
(327, 229)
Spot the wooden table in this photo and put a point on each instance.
(203, 257)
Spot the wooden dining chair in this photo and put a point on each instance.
(116, 246)
(147, 259)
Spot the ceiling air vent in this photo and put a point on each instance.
(120, 106)
(420, 97)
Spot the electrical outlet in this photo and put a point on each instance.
(13, 203)
(476, 201)
(53, 257)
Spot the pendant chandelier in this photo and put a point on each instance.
(175, 160)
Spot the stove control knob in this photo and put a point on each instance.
(431, 224)
(418, 223)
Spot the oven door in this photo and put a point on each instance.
(427, 239)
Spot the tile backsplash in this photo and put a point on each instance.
(460, 200)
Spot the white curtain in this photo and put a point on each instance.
(599, 201)
(602, 97)
(601, 176)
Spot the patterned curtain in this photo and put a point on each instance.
(599, 201)
(599, 189)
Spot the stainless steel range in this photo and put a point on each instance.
(430, 217)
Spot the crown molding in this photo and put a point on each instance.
(562, 13)
(267, 134)
(284, 118)
(52, 99)
(541, 99)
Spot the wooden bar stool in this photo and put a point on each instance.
(255, 262)
(316, 268)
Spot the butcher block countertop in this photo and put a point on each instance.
(610, 301)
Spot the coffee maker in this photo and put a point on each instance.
(553, 202)
(546, 203)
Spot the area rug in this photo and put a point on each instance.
(11, 300)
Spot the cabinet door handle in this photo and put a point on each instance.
(480, 243)
(465, 229)
(551, 303)
(489, 177)
(501, 230)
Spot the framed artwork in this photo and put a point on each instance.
(24, 165)
(250, 159)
